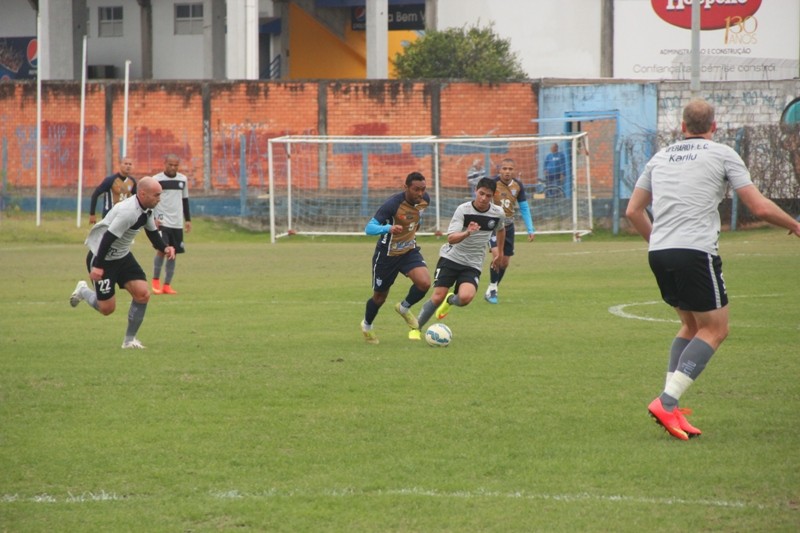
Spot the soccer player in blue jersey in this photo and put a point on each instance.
(113, 189)
(510, 193)
(111, 263)
(461, 259)
(172, 214)
(396, 252)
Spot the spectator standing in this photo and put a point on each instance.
(555, 167)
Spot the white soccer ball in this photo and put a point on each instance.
(438, 335)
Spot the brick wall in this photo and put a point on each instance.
(204, 123)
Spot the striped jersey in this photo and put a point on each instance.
(687, 181)
(124, 221)
(397, 210)
(472, 251)
(169, 210)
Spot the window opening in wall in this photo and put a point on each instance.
(109, 22)
(189, 19)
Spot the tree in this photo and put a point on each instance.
(473, 53)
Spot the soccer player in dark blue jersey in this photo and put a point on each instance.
(396, 252)
(509, 195)
(113, 189)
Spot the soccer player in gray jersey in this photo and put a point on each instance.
(172, 214)
(110, 261)
(685, 182)
(461, 259)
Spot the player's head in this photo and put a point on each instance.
(414, 176)
(415, 188)
(507, 170)
(148, 191)
(171, 164)
(486, 183)
(698, 118)
(125, 166)
(484, 193)
(554, 147)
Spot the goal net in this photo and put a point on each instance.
(321, 185)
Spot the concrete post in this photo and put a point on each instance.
(377, 39)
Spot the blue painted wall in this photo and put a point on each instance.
(635, 106)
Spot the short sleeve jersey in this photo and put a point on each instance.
(124, 221)
(472, 251)
(169, 210)
(687, 181)
(397, 210)
(507, 197)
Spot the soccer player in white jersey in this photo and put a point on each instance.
(110, 261)
(685, 182)
(461, 259)
(172, 214)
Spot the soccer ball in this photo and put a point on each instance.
(438, 335)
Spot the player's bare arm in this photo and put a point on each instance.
(767, 210)
(637, 214)
(458, 236)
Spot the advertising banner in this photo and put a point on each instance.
(739, 39)
(19, 58)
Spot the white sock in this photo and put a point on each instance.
(491, 287)
(678, 384)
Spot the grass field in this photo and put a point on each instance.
(258, 407)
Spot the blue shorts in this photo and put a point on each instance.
(508, 244)
(690, 280)
(386, 268)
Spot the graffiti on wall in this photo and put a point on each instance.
(60, 152)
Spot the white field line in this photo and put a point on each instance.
(104, 496)
(481, 493)
(621, 311)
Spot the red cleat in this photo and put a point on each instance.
(156, 286)
(669, 420)
(166, 289)
(689, 429)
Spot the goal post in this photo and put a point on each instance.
(327, 185)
